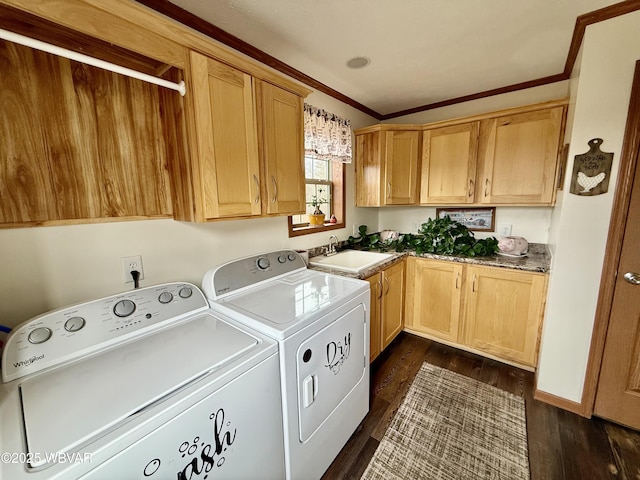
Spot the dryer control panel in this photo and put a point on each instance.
(246, 272)
(80, 330)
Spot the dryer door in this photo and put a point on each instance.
(329, 365)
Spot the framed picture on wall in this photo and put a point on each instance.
(475, 219)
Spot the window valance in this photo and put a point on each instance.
(326, 135)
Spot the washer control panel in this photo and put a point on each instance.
(72, 332)
(244, 272)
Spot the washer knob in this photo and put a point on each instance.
(165, 297)
(124, 308)
(74, 324)
(282, 258)
(185, 292)
(263, 263)
(39, 335)
(291, 257)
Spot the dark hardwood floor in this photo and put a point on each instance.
(562, 445)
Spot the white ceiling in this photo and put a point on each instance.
(421, 51)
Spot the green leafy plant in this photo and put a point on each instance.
(441, 236)
(444, 236)
(317, 200)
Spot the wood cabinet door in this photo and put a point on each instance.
(375, 343)
(519, 156)
(448, 171)
(369, 171)
(392, 306)
(227, 139)
(78, 143)
(504, 312)
(434, 293)
(402, 151)
(281, 132)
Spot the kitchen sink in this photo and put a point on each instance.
(353, 261)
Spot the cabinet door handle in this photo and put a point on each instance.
(386, 281)
(379, 283)
(471, 189)
(255, 179)
(473, 285)
(388, 189)
(486, 186)
(275, 189)
(457, 278)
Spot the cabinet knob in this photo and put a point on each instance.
(632, 277)
(471, 189)
(388, 189)
(486, 187)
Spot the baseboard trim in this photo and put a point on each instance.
(563, 403)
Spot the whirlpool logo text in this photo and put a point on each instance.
(28, 361)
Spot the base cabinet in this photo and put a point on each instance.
(387, 307)
(487, 310)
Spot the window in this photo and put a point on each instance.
(327, 148)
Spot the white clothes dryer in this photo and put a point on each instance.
(321, 324)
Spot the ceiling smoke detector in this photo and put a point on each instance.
(358, 62)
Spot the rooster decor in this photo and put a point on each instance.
(591, 170)
(587, 183)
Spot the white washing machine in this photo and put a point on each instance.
(321, 323)
(145, 384)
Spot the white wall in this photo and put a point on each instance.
(602, 92)
(527, 222)
(49, 267)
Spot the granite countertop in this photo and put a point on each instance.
(538, 259)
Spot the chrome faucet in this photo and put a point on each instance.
(331, 249)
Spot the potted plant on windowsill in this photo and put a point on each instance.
(316, 218)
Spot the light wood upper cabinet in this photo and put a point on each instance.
(227, 139)
(282, 150)
(504, 312)
(79, 144)
(247, 158)
(387, 167)
(434, 294)
(402, 150)
(519, 155)
(500, 158)
(449, 157)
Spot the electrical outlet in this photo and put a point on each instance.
(129, 264)
(355, 231)
(505, 230)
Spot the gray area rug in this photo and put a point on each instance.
(452, 427)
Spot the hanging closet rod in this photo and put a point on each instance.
(80, 57)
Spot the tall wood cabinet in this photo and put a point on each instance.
(387, 163)
(449, 156)
(487, 310)
(519, 155)
(387, 307)
(228, 167)
(282, 150)
(249, 159)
